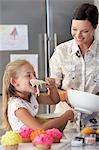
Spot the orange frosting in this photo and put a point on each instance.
(35, 133)
(87, 130)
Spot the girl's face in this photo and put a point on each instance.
(22, 80)
(82, 31)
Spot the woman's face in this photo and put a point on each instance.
(22, 80)
(82, 31)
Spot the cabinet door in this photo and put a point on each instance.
(60, 15)
(33, 14)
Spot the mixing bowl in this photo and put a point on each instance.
(83, 101)
(46, 117)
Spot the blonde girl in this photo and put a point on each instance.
(20, 105)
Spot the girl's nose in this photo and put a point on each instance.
(33, 76)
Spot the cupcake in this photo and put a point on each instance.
(97, 131)
(56, 134)
(11, 140)
(25, 134)
(43, 141)
(35, 133)
(87, 130)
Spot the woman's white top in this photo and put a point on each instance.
(72, 70)
(16, 103)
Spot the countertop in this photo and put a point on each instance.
(58, 146)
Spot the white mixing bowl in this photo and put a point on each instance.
(83, 101)
(45, 117)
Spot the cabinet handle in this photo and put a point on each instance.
(55, 40)
(46, 64)
(45, 51)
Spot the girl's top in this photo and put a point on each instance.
(14, 104)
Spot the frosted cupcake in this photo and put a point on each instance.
(11, 140)
(56, 134)
(35, 133)
(43, 141)
(25, 134)
(87, 131)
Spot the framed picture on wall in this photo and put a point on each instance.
(13, 37)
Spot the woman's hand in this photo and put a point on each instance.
(63, 95)
(50, 83)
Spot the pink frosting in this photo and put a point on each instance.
(55, 133)
(25, 132)
(44, 139)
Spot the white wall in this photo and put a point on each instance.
(96, 2)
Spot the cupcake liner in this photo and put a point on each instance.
(26, 140)
(11, 147)
(42, 147)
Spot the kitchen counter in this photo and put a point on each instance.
(58, 146)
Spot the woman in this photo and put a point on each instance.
(75, 63)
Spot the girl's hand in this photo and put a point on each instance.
(50, 83)
(70, 115)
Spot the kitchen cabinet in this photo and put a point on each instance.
(33, 14)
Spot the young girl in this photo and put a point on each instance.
(20, 105)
